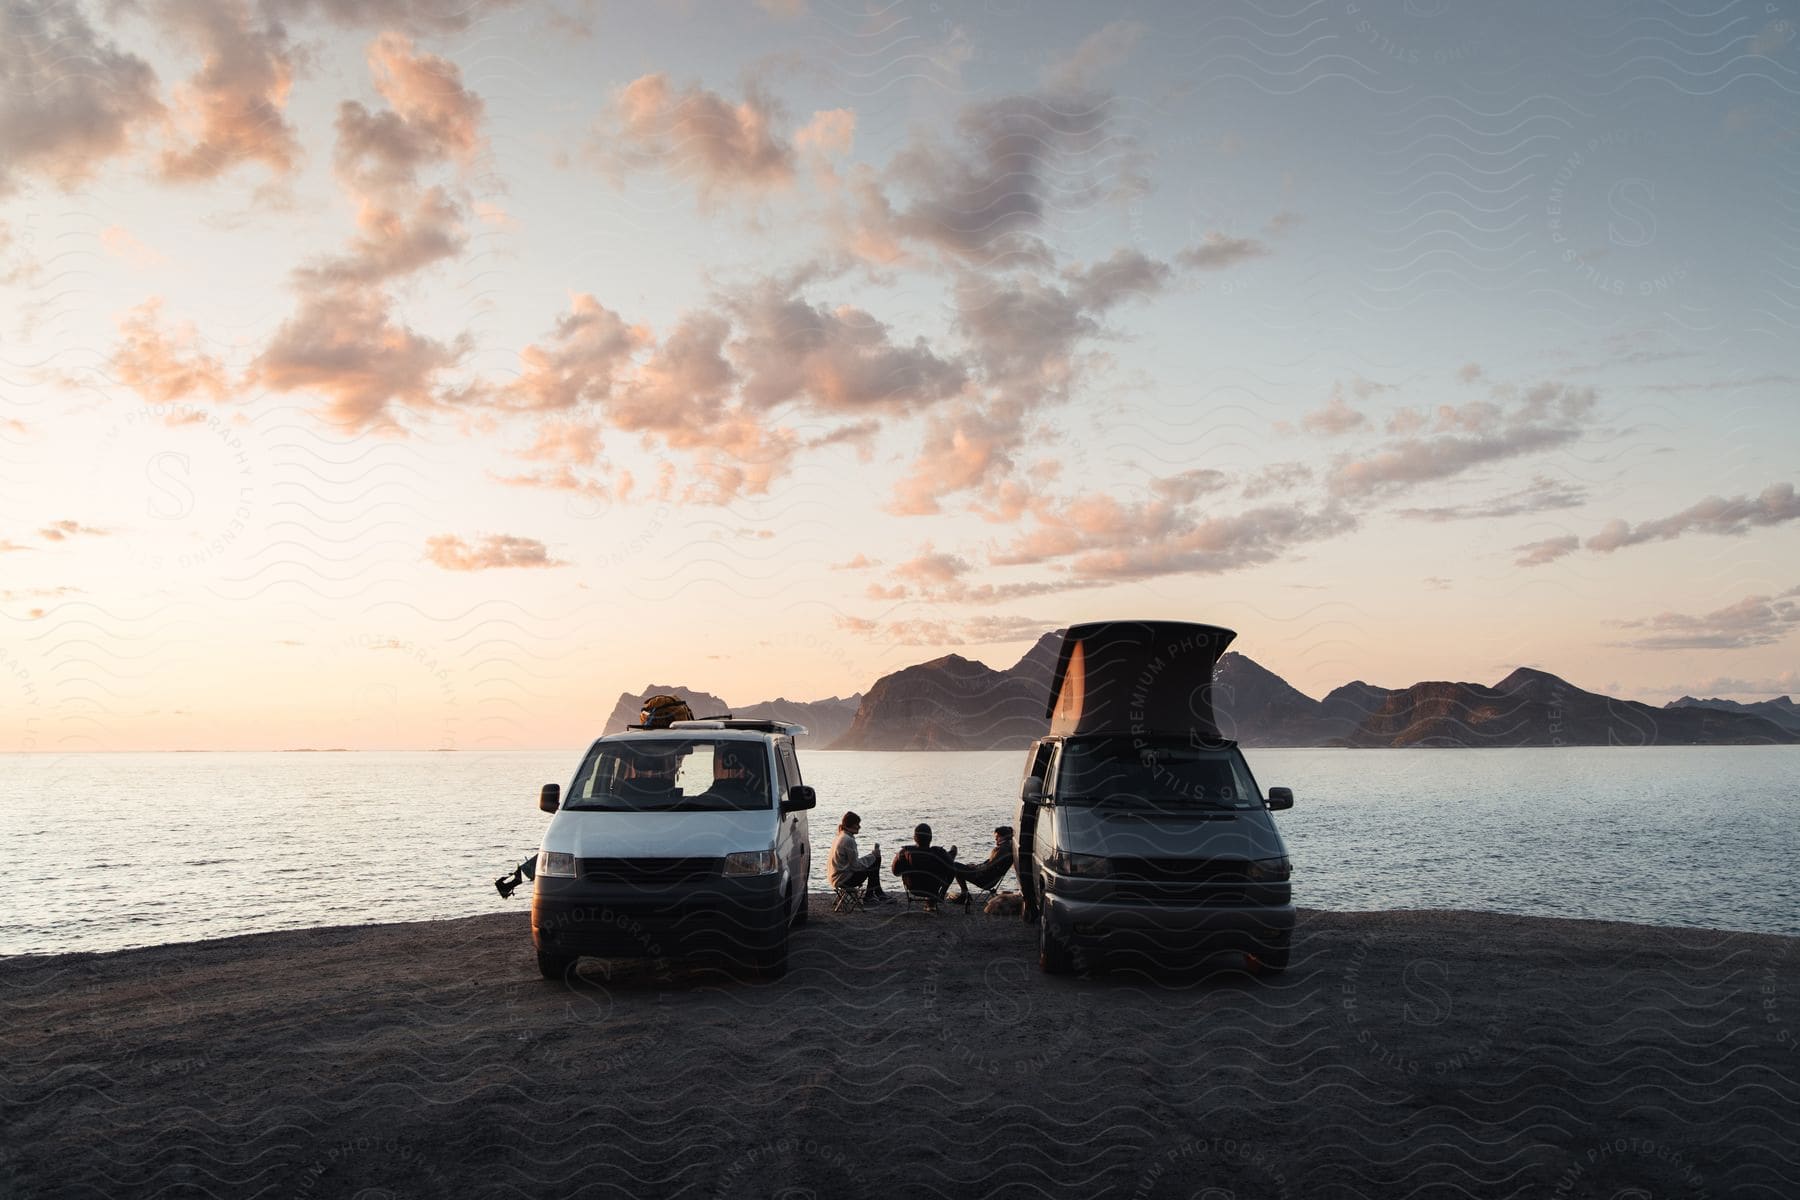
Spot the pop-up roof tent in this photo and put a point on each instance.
(1137, 677)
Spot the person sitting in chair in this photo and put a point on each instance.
(846, 870)
(987, 875)
(926, 870)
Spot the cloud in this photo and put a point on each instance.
(1111, 541)
(402, 226)
(1536, 554)
(699, 135)
(1217, 251)
(860, 562)
(71, 99)
(567, 442)
(838, 360)
(709, 388)
(1335, 419)
(343, 341)
(345, 344)
(62, 531)
(589, 351)
(1540, 495)
(165, 365)
(1189, 486)
(932, 568)
(1731, 517)
(1726, 685)
(1752, 621)
(831, 132)
(119, 242)
(495, 550)
(8, 546)
(406, 16)
(1099, 52)
(1276, 477)
(1127, 273)
(682, 395)
(981, 198)
(979, 630)
(234, 107)
(965, 448)
(1469, 372)
(1467, 436)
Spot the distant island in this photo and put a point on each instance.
(955, 703)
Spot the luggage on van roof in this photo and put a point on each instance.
(1136, 677)
(659, 712)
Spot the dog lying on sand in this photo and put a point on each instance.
(1004, 904)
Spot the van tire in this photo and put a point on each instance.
(554, 966)
(1054, 955)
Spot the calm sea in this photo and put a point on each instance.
(108, 851)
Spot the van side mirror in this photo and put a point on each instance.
(1033, 791)
(550, 799)
(800, 797)
(1280, 798)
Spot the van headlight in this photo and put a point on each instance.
(1086, 866)
(1270, 870)
(556, 862)
(752, 862)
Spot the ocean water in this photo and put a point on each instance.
(106, 851)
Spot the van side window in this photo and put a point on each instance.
(786, 771)
(785, 753)
(1040, 764)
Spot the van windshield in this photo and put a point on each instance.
(1153, 774)
(697, 774)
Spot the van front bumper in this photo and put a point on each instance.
(1164, 929)
(731, 916)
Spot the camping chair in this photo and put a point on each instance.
(991, 888)
(847, 899)
(925, 878)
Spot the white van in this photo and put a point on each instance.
(689, 840)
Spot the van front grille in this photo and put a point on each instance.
(1181, 870)
(650, 871)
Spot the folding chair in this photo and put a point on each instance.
(925, 881)
(847, 899)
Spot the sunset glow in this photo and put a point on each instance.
(404, 375)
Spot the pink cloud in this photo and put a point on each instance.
(165, 365)
(697, 134)
(233, 109)
(491, 552)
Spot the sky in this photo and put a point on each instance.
(425, 373)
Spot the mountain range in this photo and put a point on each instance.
(956, 703)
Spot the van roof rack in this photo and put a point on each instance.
(727, 721)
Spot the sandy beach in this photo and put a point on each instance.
(1428, 1053)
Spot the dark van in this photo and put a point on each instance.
(1141, 830)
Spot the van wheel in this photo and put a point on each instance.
(1054, 956)
(554, 966)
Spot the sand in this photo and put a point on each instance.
(1422, 1053)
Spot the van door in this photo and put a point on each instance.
(796, 845)
(1038, 762)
